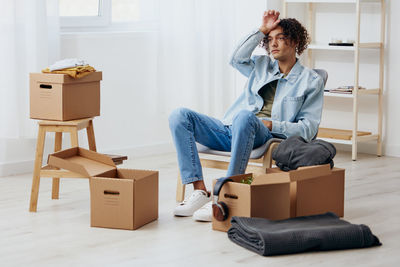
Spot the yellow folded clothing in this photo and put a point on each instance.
(75, 72)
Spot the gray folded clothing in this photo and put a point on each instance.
(296, 152)
(308, 233)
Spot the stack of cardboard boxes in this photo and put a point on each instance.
(119, 198)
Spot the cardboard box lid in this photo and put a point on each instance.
(64, 78)
(277, 176)
(82, 161)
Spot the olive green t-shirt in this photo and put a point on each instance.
(267, 92)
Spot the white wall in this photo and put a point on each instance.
(129, 115)
(128, 90)
(392, 92)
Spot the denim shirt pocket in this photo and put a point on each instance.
(292, 106)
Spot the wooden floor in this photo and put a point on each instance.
(59, 234)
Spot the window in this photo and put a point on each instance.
(108, 15)
(125, 10)
(72, 8)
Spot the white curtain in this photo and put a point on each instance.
(196, 38)
(29, 41)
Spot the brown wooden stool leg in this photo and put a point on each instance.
(56, 180)
(90, 136)
(180, 190)
(74, 137)
(36, 171)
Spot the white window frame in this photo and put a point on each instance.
(103, 19)
(103, 22)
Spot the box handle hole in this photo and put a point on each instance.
(46, 86)
(231, 196)
(109, 192)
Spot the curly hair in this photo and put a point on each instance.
(295, 32)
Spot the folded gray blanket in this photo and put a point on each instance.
(309, 233)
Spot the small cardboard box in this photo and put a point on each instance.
(279, 195)
(61, 97)
(119, 198)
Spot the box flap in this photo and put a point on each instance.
(274, 176)
(271, 178)
(82, 161)
(309, 172)
(133, 174)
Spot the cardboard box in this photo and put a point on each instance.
(61, 97)
(119, 198)
(279, 195)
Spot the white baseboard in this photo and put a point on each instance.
(370, 148)
(15, 168)
(367, 148)
(393, 151)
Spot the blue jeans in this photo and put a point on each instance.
(188, 127)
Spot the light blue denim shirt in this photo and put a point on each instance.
(298, 101)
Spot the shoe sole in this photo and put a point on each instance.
(200, 219)
(180, 215)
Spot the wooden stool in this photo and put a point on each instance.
(59, 127)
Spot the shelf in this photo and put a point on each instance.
(336, 141)
(360, 92)
(368, 92)
(338, 95)
(339, 134)
(344, 136)
(332, 1)
(370, 45)
(330, 47)
(354, 50)
(321, 46)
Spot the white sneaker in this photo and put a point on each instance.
(193, 203)
(204, 214)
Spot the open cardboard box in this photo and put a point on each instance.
(119, 198)
(61, 97)
(279, 195)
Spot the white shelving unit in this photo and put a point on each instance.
(353, 136)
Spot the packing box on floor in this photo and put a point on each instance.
(279, 195)
(61, 97)
(119, 198)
